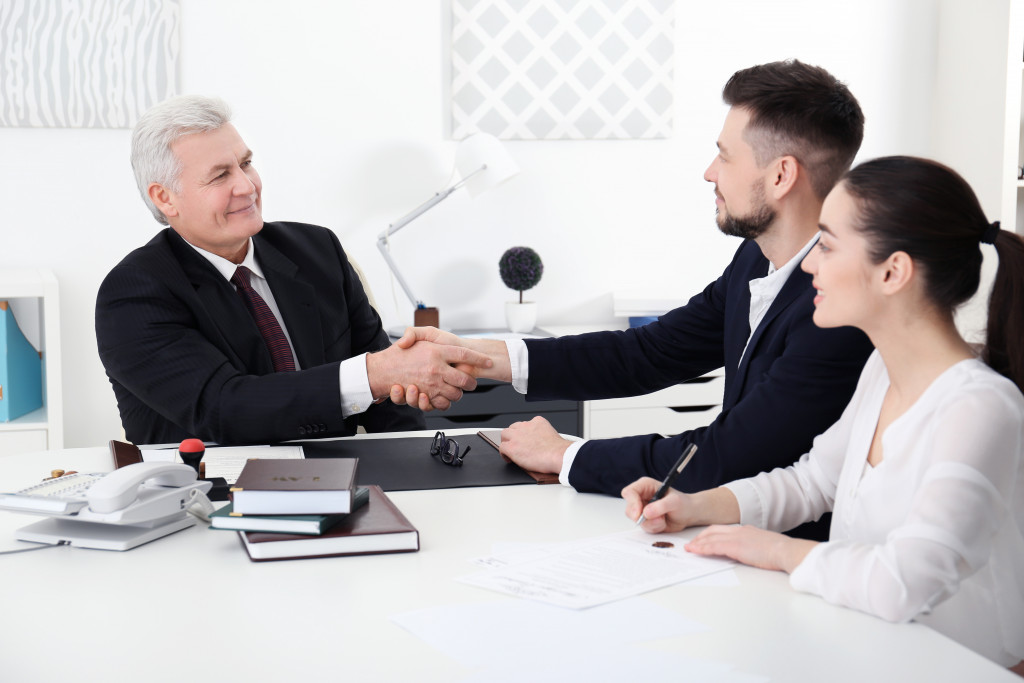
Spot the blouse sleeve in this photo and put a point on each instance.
(957, 510)
(787, 497)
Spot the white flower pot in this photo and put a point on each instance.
(521, 317)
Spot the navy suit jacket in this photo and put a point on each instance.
(186, 359)
(792, 383)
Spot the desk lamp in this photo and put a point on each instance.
(482, 163)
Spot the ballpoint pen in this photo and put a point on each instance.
(684, 459)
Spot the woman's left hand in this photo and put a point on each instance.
(752, 546)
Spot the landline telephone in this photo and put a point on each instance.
(118, 511)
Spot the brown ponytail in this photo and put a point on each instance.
(1004, 342)
(928, 211)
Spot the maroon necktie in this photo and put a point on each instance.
(273, 335)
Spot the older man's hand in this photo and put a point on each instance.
(415, 395)
(429, 367)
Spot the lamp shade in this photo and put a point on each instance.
(479, 150)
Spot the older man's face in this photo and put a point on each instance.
(219, 205)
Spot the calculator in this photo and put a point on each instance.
(64, 495)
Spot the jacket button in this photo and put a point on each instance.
(302, 431)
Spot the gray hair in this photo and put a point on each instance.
(157, 129)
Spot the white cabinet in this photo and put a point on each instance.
(676, 409)
(34, 298)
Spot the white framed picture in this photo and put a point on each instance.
(86, 64)
(562, 69)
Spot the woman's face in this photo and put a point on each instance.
(843, 272)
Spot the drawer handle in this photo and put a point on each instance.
(470, 419)
(691, 409)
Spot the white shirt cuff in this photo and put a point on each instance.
(806, 578)
(751, 505)
(519, 360)
(355, 386)
(567, 459)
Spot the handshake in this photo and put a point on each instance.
(428, 368)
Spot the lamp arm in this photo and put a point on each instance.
(382, 239)
(382, 245)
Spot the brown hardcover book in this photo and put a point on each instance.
(320, 486)
(377, 527)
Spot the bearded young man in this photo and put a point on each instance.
(791, 132)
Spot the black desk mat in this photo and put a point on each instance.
(405, 464)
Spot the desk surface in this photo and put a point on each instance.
(193, 602)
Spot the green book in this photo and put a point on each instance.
(310, 525)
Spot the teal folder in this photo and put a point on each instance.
(21, 370)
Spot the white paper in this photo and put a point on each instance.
(226, 462)
(482, 634)
(607, 568)
(505, 553)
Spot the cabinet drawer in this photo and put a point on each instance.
(611, 423)
(17, 441)
(490, 398)
(565, 422)
(705, 390)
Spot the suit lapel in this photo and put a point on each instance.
(753, 265)
(798, 283)
(227, 314)
(296, 299)
(738, 320)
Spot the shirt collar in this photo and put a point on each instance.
(771, 284)
(227, 268)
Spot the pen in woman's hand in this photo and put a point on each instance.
(684, 459)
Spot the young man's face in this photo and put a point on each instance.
(219, 205)
(741, 203)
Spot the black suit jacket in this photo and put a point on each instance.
(186, 359)
(792, 383)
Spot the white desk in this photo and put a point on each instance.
(192, 606)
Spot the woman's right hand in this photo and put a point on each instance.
(667, 514)
(677, 510)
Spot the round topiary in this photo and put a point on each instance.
(520, 269)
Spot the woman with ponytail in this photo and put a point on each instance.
(923, 472)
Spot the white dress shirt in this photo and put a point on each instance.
(355, 383)
(763, 292)
(934, 532)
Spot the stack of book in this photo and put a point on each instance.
(290, 509)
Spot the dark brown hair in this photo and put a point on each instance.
(800, 110)
(928, 211)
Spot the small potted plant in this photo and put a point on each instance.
(520, 269)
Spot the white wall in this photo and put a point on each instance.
(342, 102)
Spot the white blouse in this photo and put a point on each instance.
(934, 532)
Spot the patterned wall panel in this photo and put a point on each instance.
(562, 69)
(86, 63)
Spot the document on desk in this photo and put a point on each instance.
(599, 570)
(226, 461)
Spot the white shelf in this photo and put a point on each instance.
(42, 429)
(37, 419)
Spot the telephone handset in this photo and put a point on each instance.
(130, 506)
(121, 487)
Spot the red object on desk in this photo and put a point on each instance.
(191, 452)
